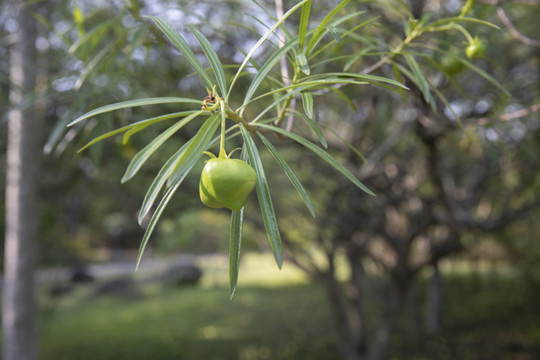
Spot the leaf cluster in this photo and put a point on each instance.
(270, 98)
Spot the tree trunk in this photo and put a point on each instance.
(380, 343)
(433, 302)
(23, 153)
(347, 345)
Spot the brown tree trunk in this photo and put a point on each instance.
(23, 152)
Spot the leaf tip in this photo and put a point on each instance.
(73, 122)
(279, 261)
(140, 218)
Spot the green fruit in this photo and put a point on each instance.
(475, 49)
(451, 65)
(226, 183)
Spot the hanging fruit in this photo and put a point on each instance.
(226, 183)
(475, 49)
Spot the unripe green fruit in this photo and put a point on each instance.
(451, 65)
(226, 183)
(475, 49)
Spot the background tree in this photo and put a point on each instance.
(433, 179)
(23, 153)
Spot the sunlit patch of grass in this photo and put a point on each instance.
(258, 269)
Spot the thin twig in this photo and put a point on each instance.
(284, 72)
(281, 36)
(512, 29)
(510, 116)
(512, 2)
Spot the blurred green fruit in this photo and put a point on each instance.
(475, 49)
(451, 65)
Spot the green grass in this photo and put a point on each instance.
(193, 323)
(278, 314)
(274, 315)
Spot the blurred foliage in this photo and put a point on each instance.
(201, 231)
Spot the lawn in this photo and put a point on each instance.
(274, 315)
(277, 315)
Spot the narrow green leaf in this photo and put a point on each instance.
(137, 126)
(265, 200)
(446, 103)
(261, 40)
(172, 165)
(90, 35)
(319, 30)
(290, 174)
(194, 151)
(485, 75)
(184, 48)
(347, 33)
(329, 60)
(278, 101)
(98, 60)
(266, 11)
(413, 78)
(307, 102)
(399, 77)
(458, 19)
(421, 81)
(237, 219)
(153, 221)
(356, 56)
(314, 126)
(335, 33)
(405, 7)
(212, 56)
(304, 85)
(349, 145)
(161, 178)
(471, 66)
(58, 133)
(344, 97)
(302, 63)
(140, 158)
(265, 69)
(304, 20)
(321, 153)
(297, 88)
(133, 103)
(365, 77)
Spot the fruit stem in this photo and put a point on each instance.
(470, 39)
(222, 152)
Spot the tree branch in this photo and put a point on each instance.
(513, 2)
(510, 116)
(512, 29)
